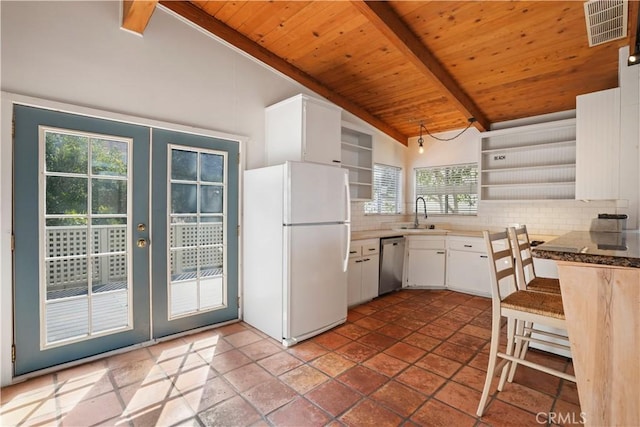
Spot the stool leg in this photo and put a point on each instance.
(511, 331)
(493, 356)
(521, 346)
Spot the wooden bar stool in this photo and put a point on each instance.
(523, 309)
(526, 273)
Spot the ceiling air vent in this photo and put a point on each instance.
(606, 20)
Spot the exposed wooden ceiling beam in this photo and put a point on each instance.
(385, 19)
(221, 30)
(136, 14)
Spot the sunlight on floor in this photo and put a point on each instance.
(171, 385)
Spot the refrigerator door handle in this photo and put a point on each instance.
(347, 197)
(347, 239)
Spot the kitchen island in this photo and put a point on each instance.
(600, 283)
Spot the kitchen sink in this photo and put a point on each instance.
(421, 230)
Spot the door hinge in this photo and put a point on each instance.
(238, 158)
(238, 301)
(13, 243)
(13, 127)
(13, 353)
(238, 231)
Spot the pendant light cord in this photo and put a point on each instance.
(471, 121)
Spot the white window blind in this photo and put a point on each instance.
(386, 190)
(449, 190)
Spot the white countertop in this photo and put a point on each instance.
(377, 234)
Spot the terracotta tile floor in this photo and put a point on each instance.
(409, 358)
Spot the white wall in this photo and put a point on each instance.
(75, 52)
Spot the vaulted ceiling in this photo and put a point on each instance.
(396, 64)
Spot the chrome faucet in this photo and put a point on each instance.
(416, 224)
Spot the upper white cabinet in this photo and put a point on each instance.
(529, 162)
(302, 128)
(598, 145)
(357, 158)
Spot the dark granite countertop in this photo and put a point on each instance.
(616, 249)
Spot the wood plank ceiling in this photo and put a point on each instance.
(398, 63)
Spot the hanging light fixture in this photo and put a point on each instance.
(471, 120)
(421, 139)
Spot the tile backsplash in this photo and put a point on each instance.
(552, 217)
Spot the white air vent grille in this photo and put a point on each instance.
(606, 20)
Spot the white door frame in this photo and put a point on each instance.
(6, 209)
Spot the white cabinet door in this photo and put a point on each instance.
(370, 273)
(363, 271)
(354, 281)
(598, 145)
(468, 272)
(322, 130)
(426, 267)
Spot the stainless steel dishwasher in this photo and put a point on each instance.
(391, 264)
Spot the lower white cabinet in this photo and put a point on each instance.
(425, 261)
(363, 271)
(468, 266)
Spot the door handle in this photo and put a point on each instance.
(142, 243)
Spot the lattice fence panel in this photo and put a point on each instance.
(210, 238)
(66, 242)
(72, 241)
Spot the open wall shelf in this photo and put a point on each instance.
(357, 157)
(533, 162)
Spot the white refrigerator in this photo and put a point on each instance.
(296, 236)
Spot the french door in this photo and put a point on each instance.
(195, 222)
(97, 203)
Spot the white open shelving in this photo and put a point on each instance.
(357, 158)
(530, 162)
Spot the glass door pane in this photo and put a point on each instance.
(85, 207)
(197, 217)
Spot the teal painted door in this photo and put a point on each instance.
(195, 240)
(88, 230)
(81, 285)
